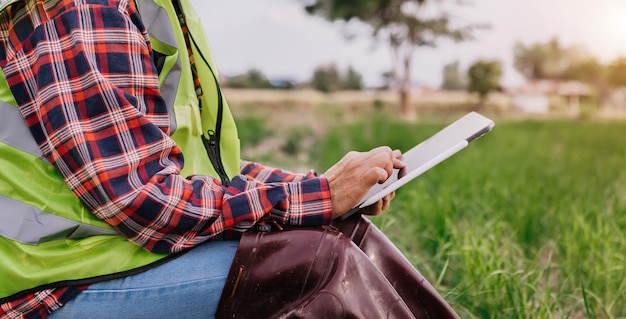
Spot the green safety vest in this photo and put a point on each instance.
(48, 238)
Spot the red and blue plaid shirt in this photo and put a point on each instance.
(82, 74)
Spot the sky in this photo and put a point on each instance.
(279, 38)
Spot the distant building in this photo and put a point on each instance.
(534, 97)
(530, 102)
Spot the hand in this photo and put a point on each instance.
(379, 206)
(352, 177)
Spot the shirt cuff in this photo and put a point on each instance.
(308, 204)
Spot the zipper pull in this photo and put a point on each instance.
(211, 140)
(213, 152)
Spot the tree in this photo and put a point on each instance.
(551, 60)
(353, 80)
(540, 60)
(406, 25)
(452, 78)
(253, 79)
(484, 77)
(589, 70)
(326, 78)
(617, 72)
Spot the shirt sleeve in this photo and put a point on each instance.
(99, 118)
(302, 207)
(266, 174)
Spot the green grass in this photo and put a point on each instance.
(255, 130)
(528, 222)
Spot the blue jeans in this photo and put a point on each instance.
(186, 287)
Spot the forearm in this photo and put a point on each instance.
(308, 196)
(299, 203)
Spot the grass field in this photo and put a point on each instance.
(527, 222)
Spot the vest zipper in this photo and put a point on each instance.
(212, 145)
(213, 150)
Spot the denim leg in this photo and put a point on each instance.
(186, 287)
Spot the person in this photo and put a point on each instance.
(122, 192)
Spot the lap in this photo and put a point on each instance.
(186, 287)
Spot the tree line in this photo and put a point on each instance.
(407, 25)
(549, 60)
(326, 78)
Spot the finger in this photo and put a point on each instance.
(397, 154)
(374, 209)
(380, 206)
(384, 151)
(384, 160)
(397, 163)
(397, 159)
(387, 200)
(376, 175)
(384, 204)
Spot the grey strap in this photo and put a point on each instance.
(159, 27)
(14, 132)
(29, 225)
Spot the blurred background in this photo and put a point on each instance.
(279, 38)
(527, 222)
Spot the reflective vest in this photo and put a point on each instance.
(48, 238)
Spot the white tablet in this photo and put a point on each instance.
(429, 153)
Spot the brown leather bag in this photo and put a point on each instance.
(320, 273)
(413, 288)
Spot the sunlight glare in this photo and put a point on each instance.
(617, 22)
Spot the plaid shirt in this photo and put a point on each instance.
(82, 74)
